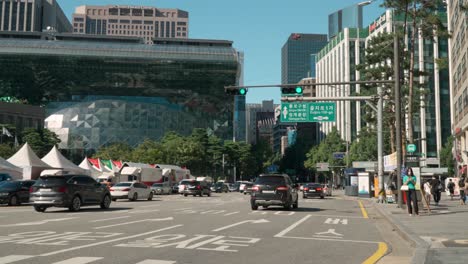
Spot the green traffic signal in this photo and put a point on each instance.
(235, 91)
(299, 90)
(242, 91)
(292, 90)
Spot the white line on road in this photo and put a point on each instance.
(232, 213)
(156, 261)
(260, 221)
(108, 219)
(138, 221)
(291, 227)
(147, 206)
(344, 216)
(332, 239)
(78, 260)
(39, 222)
(108, 241)
(118, 211)
(14, 258)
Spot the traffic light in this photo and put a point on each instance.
(292, 90)
(236, 91)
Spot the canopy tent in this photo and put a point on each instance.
(26, 158)
(86, 165)
(55, 159)
(10, 169)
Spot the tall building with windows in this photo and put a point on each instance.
(337, 63)
(32, 16)
(136, 21)
(296, 56)
(348, 17)
(458, 62)
(251, 118)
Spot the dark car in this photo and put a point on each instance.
(5, 177)
(175, 188)
(274, 189)
(72, 191)
(197, 188)
(15, 192)
(313, 190)
(220, 187)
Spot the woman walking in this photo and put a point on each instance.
(410, 180)
(461, 185)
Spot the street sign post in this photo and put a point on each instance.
(339, 155)
(411, 148)
(308, 112)
(324, 166)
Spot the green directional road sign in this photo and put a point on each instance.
(308, 112)
(411, 148)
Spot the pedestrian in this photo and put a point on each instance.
(461, 185)
(436, 187)
(451, 188)
(410, 180)
(427, 192)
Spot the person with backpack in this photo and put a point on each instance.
(461, 185)
(451, 188)
(436, 189)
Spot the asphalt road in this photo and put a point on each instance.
(176, 229)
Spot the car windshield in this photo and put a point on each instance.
(9, 184)
(194, 183)
(123, 184)
(313, 185)
(157, 185)
(52, 180)
(270, 180)
(219, 184)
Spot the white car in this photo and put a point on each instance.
(131, 190)
(161, 188)
(182, 184)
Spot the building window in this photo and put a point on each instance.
(29, 17)
(78, 19)
(6, 17)
(21, 18)
(181, 23)
(173, 29)
(137, 12)
(168, 29)
(148, 12)
(156, 28)
(113, 11)
(124, 11)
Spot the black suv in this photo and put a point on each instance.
(274, 189)
(197, 188)
(72, 191)
(15, 192)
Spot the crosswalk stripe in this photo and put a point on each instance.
(155, 261)
(78, 260)
(14, 258)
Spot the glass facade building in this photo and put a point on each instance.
(105, 90)
(349, 17)
(295, 56)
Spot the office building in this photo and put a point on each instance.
(348, 17)
(32, 16)
(251, 118)
(240, 111)
(337, 63)
(296, 60)
(104, 89)
(136, 21)
(264, 127)
(22, 116)
(458, 63)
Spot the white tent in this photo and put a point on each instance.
(26, 158)
(55, 159)
(10, 169)
(92, 171)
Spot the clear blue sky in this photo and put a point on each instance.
(257, 27)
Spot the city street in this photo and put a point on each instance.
(176, 229)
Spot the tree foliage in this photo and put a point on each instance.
(446, 157)
(6, 151)
(365, 148)
(324, 151)
(40, 140)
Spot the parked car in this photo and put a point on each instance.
(248, 188)
(182, 185)
(15, 192)
(234, 187)
(5, 177)
(313, 190)
(72, 191)
(131, 191)
(220, 187)
(175, 188)
(197, 188)
(161, 188)
(274, 189)
(242, 186)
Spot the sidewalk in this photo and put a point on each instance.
(438, 237)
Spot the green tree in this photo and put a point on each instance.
(115, 151)
(6, 151)
(148, 151)
(446, 156)
(324, 151)
(365, 148)
(40, 140)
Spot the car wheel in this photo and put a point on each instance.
(296, 204)
(135, 197)
(209, 194)
(14, 201)
(113, 199)
(254, 206)
(150, 197)
(39, 208)
(287, 206)
(304, 197)
(185, 194)
(321, 197)
(105, 204)
(76, 204)
(265, 207)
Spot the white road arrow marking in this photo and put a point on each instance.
(260, 221)
(336, 221)
(156, 261)
(330, 232)
(139, 221)
(78, 260)
(14, 258)
(39, 222)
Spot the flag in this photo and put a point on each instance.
(6, 132)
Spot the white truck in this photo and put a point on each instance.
(145, 175)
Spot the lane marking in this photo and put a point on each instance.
(148, 206)
(133, 222)
(232, 213)
(156, 261)
(363, 210)
(78, 260)
(260, 221)
(291, 227)
(108, 219)
(14, 258)
(378, 254)
(108, 241)
(118, 211)
(332, 239)
(41, 222)
(344, 216)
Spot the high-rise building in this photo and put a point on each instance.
(337, 63)
(348, 17)
(251, 118)
(136, 21)
(103, 89)
(32, 16)
(458, 62)
(296, 56)
(240, 129)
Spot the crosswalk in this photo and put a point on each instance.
(75, 260)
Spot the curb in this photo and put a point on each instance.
(421, 246)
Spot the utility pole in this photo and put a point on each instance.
(380, 170)
(396, 65)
